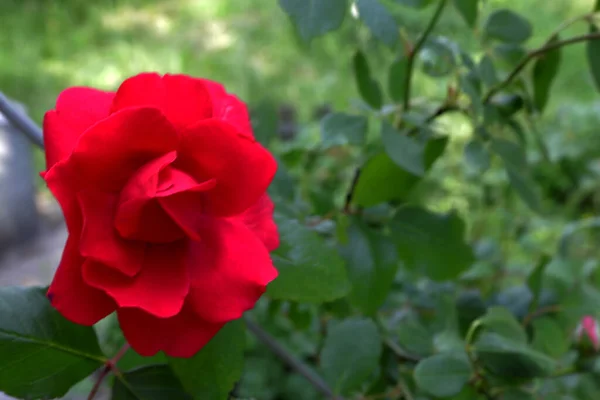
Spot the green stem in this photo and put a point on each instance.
(415, 51)
(533, 55)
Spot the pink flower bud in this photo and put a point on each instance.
(588, 331)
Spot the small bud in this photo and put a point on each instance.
(587, 333)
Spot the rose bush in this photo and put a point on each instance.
(163, 188)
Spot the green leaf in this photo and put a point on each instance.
(373, 185)
(42, 355)
(368, 88)
(507, 26)
(397, 78)
(431, 243)
(415, 3)
(500, 321)
(535, 280)
(468, 9)
(443, 375)
(518, 171)
(310, 271)
(477, 156)
(414, 337)
(315, 17)
(509, 359)
(403, 150)
(516, 394)
(597, 5)
(593, 57)
(545, 70)
(350, 354)
(153, 382)
(214, 370)
(437, 57)
(372, 263)
(379, 20)
(487, 71)
(338, 129)
(549, 337)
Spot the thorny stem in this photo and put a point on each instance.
(415, 51)
(315, 380)
(110, 366)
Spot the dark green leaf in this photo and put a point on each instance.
(593, 57)
(487, 71)
(509, 359)
(372, 263)
(382, 180)
(338, 129)
(437, 57)
(535, 279)
(477, 156)
(350, 354)
(545, 70)
(367, 87)
(415, 3)
(471, 86)
(264, 122)
(41, 353)
(403, 150)
(443, 375)
(397, 78)
(309, 270)
(414, 337)
(549, 337)
(154, 382)
(499, 320)
(507, 26)
(507, 104)
(516, 394)
(597, 5)
(214, 370)
(315, 17)
(518, 171)
(468, 9)
(379, 20)
(431, 243)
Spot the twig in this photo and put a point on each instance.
(399, 352)
(110, 366)
(350, 193)
(534, 54)
(415, 51)
(538, 313)
(290, 360)
(21, 121)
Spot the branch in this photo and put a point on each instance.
(415, 51)
(290, 360)
(21, 121)
(110, 366)
(534, 54)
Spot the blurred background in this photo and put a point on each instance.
(251, 47)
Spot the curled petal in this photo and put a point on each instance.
(180, 336)
(159, 288)
(229, 108)
(242, 168)
(64, 184)
(114, 149)
(259, 218)
(100, 241)
(230, 269)
(77, 109)
(71, 296)
(182, 99)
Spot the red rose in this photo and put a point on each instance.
(163, 188)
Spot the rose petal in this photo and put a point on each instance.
(229, 108)
(230, 269)
(64, 185)
(114, 149)
(77, 109)
(71, 296)
(180, 336)
(182, 99)
(259, 218)
(159, 288)
(99, 239)
(139, 216)
(242, 168)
